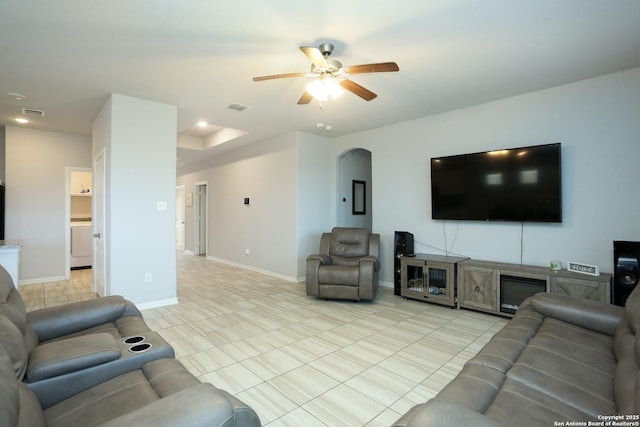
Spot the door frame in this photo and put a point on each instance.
(182, 208)
(354, 164)
(99, 221)
(67, 215)
(201, 218)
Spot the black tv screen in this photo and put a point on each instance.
(517, 184)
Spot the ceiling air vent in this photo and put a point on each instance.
(237, 106)
(33, 112)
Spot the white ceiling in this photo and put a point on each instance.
(67, 56)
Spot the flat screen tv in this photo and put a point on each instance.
(517, 184)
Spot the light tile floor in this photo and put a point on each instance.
(297, 360)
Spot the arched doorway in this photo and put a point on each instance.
(355, 189)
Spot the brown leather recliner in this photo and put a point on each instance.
(346, 266)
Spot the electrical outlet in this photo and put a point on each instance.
(148, 278)
(247, 251)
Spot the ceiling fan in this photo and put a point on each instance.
(330, 76)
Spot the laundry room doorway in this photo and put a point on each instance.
(78, 219)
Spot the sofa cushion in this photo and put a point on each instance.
(474, 388)
(349, 242)
(103, 402)
(70, 355)
(502, 351)
(31, 414)
(9, 395)
(12, 306)
(339, 275)
(162, 393)
(519, 404)
(128, 392)
(569, 364)
(12, 341)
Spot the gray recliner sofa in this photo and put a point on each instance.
(96, 363)
(62, 350)
(559, 359)
(346, 266)
(161, 393)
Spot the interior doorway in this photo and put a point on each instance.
(200, 212)
(355, 189)
(78, 214)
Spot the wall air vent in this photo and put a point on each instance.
(237, 106)
(33, 112)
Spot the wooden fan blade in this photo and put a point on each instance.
(380, 67)
(305, 98)
(279, 76)
(315, 56)
(355, 88)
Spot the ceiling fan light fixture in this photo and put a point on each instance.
(325, 88)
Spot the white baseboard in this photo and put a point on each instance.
(385, 284)
(41, 280)
(156, 304)
(251, 268)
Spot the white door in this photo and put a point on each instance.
(98, 218)
(180, 214)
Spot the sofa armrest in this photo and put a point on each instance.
(371, 259)
(324, 259)
(54, 322)
(70, 355)
(197, 406)
(313, 266)
(593, 315)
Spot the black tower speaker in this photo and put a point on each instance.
(626, 259)
(402, 246)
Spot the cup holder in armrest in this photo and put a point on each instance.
(136, 344)
(139, 348)
(133, 340)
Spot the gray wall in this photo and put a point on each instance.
(35, 196)
(294, 198)
(287, 180)
(597, 122)
(140, 173)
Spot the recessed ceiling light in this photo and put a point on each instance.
(202, 124)
(16, 96)
(21, 120)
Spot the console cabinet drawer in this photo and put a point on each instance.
(478, 288)
(597, 288)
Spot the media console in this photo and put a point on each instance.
(500, 288)
(492, 287)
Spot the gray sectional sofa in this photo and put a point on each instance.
(97, 363)
(559, 361)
